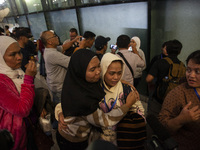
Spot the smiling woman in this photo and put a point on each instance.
(16, 90)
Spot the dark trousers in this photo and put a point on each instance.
(67, 145)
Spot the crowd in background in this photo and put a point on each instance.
(92, 92)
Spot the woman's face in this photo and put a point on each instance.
(113, 74)
(193, 74)
(93, 70)
(13, 56)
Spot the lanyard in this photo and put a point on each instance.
(161, 56)
(197, 93)
(109, 109)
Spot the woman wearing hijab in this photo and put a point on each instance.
(112, 68)
(16, 91)
(81, 95)
(138, 72)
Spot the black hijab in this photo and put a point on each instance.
(79, 97)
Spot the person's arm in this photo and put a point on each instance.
(186, 116)
(67, 45)
(15, 103)
(149, 78)
(99, 118)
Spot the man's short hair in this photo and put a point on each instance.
(22, 32)
(88, 35)
(123, 41)
(174, 47)
(73, 30)
(165, 44)
(44, 36)
(6, 26)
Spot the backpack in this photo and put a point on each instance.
(175, 74)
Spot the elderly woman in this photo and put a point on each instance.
(16, 91)
(180, 111)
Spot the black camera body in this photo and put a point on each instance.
(6, 140)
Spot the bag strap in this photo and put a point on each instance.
(128, 65)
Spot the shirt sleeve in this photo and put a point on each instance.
(15, 103)
(101, 119)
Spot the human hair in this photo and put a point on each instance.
(123, 41)
(88, 35)
(194, 56)
(174, 47)
(165, 44)
(43, 37)
(73, 30)
(118, 61)
(7, 27)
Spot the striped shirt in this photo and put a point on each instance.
(78, 128)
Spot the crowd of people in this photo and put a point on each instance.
(92, 92)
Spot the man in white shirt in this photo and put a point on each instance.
(132, 57)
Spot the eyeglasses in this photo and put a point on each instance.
(52, 37)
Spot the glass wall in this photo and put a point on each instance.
(114, 20)
(67, 19)
(19, 6)
(37, 24)
(21, 20)
(175, 20)
(55, 4)
(34, 5)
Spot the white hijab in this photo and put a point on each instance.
(137, 41)
(117, 90)
(16, 75)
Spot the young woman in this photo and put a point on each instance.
(116, 93)
(16, 91)
(180, 112)
(81, 95)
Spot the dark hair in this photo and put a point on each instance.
(165, 44)
(6, 26)
(88, 35)
(174, 47)
(123, 41)
(118, 61)
(195, 56)
(73, 30)
(43, 37)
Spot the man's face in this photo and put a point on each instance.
(72, 35)
(52, 39)
(164, 51)
(90, 42)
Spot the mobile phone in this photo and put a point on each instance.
(113, 47)
(81, 38)
(130, 48)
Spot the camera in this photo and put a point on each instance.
(130, 48)
(113, 47)
(81, 38)
(6, 140)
